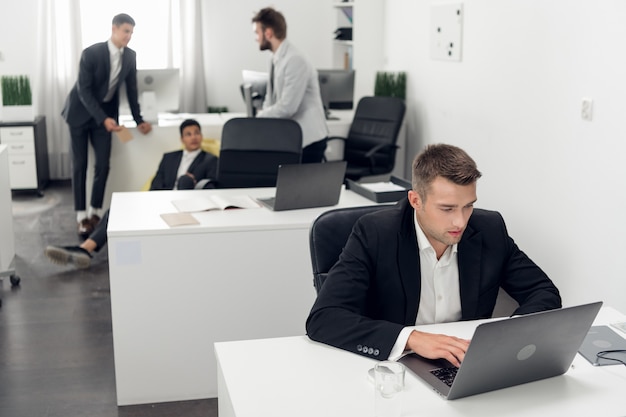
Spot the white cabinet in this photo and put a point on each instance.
(364, 52)
(28, 154)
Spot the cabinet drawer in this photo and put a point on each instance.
(22, 171)
(20, 148)
(17, 134)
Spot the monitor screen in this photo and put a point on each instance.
(336, 88)
(158, 91)
(257, 83)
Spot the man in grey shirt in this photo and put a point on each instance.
(293, 90)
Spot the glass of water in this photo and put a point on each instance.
(389, 384)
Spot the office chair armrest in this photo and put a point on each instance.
(370, 154)
(377, 148)
(206, 184)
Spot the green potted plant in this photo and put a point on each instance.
(17, 98)
(390, 84)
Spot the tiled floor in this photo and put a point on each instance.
(56, 344)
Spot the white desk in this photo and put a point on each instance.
(301, 367)
(240, 274)
(135, 162)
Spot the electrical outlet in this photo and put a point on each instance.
(586, 111)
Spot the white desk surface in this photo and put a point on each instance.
(294, 376)
(139, 213)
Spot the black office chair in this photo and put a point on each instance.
(328, 235)
(252, 149)
(370, 148)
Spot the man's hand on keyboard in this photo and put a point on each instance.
(438, 346)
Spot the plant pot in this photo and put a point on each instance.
(17, 113)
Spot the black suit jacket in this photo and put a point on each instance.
(84, 101)
(204, 166)
(373, 291)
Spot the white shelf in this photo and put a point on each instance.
(343, 4)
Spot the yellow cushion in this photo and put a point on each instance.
(211, 146)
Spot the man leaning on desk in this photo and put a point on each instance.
(432, 258)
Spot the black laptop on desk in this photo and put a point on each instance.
(300, 186)
(510, 352)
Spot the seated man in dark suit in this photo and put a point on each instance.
(432, 258)
(180, 170)
(187, 168)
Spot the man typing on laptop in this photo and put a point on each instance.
(432, 258)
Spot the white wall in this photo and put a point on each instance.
(514, 104)
(18, 39)
(232, 46)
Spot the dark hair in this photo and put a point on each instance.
(187, 123)
(273, 19)
(120, 19)
(447, 161)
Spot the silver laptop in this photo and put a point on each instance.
(510, 352)
(301, 186)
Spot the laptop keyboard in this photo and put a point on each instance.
(445, 375)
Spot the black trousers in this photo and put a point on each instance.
(100, 140)
(314, 152)
(99, 234)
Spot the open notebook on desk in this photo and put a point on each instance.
(215, 202)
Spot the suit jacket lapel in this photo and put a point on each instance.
(469, 256)
(409, 264)
(196, 161)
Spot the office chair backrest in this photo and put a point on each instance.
(252, 149)
(328, 235)
(370, 147)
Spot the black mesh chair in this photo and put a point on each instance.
(251, 150)
(370, 147)
(328, 235)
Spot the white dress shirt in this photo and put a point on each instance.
(440, 294)
(185, 163)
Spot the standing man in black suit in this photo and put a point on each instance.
(432, 258)
(91, 111)
(187, 168)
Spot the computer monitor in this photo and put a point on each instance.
(336, 88)
(256, 83)
(158, 92)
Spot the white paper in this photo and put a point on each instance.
(381, 187)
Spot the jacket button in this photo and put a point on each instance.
(376, 352)
(359, 348)
(370, 350)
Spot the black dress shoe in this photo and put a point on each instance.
(94, 221)
(85, 228)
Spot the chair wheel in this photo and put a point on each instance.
(15, 280)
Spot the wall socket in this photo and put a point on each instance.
(586, 111)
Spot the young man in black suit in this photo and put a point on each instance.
(185, 169)
(92, 109)
(432, 258)
(188, 168)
